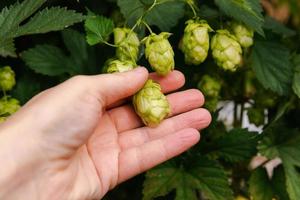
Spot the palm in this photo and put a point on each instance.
(121, 147)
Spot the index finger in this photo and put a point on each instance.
(173, 81)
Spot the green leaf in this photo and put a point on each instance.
(283, 142)
(235, 146)
(52, 19)
(7, 47)
(271, 63)
(296, 79)
(212, 181)
(132, 10)
(53, 61)
(11, 17)
(207, 176)
(246, 11)
(98, 29)
(261, 187)
(277, 27)
(46, 59)
(169, 11)
(78, 48)
(26, 88)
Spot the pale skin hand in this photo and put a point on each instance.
(78, 140)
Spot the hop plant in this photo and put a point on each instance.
(226, 51)
(128, 44)
(195, 41)
(256, 116)
(151, 104)
(243, 34)
(159, 53)
(7, 78)
(115, 65)
(9, 106)
(211, 88)
(2, 119)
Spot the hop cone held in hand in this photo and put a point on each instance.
(7, 78)
(159, 53)
(128, 44)
(195, 41)
(114, 65)
(226, 51)
(243, 34)
(151, 104)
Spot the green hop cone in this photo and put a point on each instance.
(2, 119)
(159, 53)
(9, 106)
(209, 86)
(7, 78)
(243, 34)
(256, 116)
(211, 103)
(151, 104)
(115, 65)
(128, 44)
(226, 51)
(195, 41)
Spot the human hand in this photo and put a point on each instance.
(80, 139)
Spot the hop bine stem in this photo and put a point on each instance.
(148, 27)
(192, 8)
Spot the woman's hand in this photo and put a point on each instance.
(80, 139)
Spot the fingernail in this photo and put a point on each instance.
(140, 69)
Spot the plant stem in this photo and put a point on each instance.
(148, 27)
(192, 8)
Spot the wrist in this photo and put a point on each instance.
(18, 161)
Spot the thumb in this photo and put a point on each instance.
(114, 87)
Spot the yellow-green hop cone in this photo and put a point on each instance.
(7, 78)
(209, 86)
(159, 53)
(128, 44)
(226, 51)
(211, 103)
(243, 34)
(9, 106)
(2, 119)
(114, 65)
(151, 104)
(195, 41)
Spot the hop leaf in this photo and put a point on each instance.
(128, 44)
(7, 78)
(226, 51)
(195, 42)
(151, 104)
(98, 29)
(114, 65)
(159, 53)
(243, 34)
